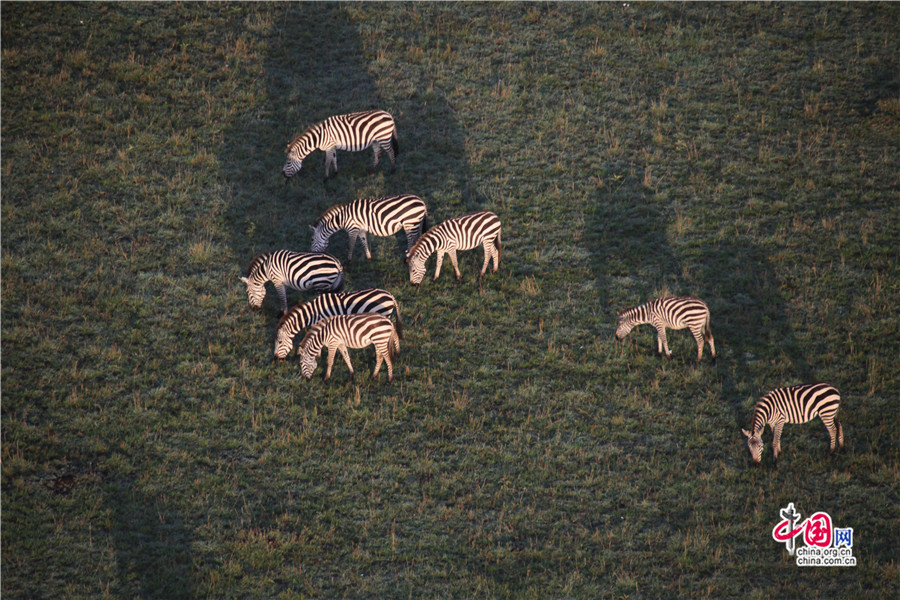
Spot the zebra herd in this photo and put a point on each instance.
(340, 320)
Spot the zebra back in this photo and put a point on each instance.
(371, 300)
(676, 312)
(355, 331)
(461, 233)
(797, 404)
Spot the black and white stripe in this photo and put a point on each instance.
(379, 216)
(461, 233)
(353, 132)
(301, 271)
(349, 331)
(674, 312)
(328, 305)
(794, 404)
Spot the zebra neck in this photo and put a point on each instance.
(313, 344)
(306, 142)
(761, 416)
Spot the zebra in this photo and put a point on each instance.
(461, 233)
(674, 312)
(378, 216)
(794, 404)
(329, 305)
(354, 132)
(296, 270)
(353, 331)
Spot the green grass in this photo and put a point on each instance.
(745, 154)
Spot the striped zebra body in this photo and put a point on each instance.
(461, 233)
(378, 216)
(349, 331)
(794, 404)
(329, 305)
(302, 271)
(353, 132)
(673, 312)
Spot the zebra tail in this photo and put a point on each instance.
(499, 249)
(394, 345)
(394, 144)
(707, 331)
(339, 284)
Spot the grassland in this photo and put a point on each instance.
(747, 154)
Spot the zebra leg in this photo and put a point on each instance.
(835, 433)
(707, 334)
(346, 356)
(365, 244)
(455, 264)
(661, 342)
(331, 350)
(488, 253)
(776, 439)
(380, 353)
(388, 146)
(698, 337)
(440, 261)
(354, 233)
(412, 235)
(282, 295)
(330, 159)
(376, 148)
(388, 362)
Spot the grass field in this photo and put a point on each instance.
(748, 154)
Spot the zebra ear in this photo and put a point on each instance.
(746, 433)
(312, 228)
(245, 280)
(621, 312)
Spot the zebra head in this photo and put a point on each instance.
(626, 324)
(284, 343)
(256, 291)
(755, 444)
(291, 166)
(325, 227)
(321, 235)
(416, 264)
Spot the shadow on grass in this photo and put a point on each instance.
(315, 66)
(634, 261)
(152, 546)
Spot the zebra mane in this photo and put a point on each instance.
(306, 133)
(328, 213)
(312, 331)
(256, 262)
(415, 248)
(624, 312)
(288, 315)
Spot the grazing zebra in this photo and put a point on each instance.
(296, 270)
(461, 233)
(354, 132)
(794, 404)
(378, 216)
(349, 331)
(329, 305)
(673, 312)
